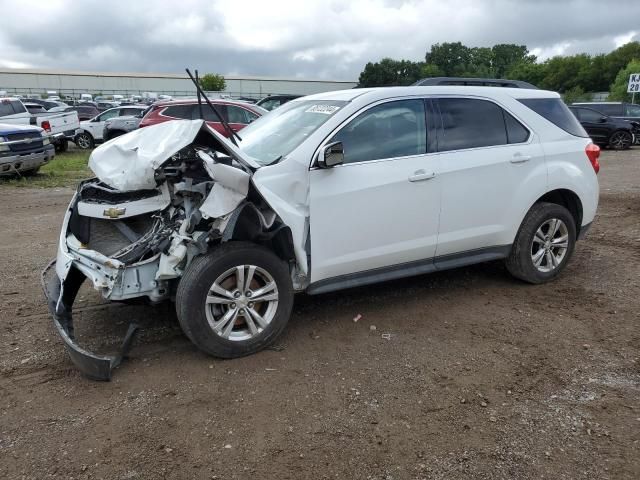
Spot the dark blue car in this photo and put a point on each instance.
(23, 149)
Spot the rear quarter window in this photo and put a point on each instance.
(607, 108)
(555, 111)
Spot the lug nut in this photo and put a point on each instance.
(236, 294)
(248, 294)
(250, 304)
(233, 305)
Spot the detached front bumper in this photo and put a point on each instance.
(61, 281)
(60, 297)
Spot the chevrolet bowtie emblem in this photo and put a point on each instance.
(114, 212)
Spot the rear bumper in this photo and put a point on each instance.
(14, 162)
(67, 134)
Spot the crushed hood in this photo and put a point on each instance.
(128, 162)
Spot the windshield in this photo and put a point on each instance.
(276, 134)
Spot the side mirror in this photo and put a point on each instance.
(331, 155)
(602, 119)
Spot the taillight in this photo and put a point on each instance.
(593, 153)
(46, 126)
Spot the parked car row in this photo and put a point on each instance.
(60, 126)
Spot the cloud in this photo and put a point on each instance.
(312, 39)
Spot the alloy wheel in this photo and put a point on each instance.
(83, 141)
(550, 245)
(241, 302)
(620, 140)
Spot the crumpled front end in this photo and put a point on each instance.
(133, 231)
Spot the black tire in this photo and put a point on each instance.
(62, 146)
(30, 173)
(84, 141)
(620, 140)
(199, 277)
(520, 262)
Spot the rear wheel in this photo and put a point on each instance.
(235, 300)
(62, 146)
(544, 243)
(620, 140)
(84, 141)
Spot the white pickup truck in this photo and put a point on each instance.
(60, 126)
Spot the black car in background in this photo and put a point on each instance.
(604, 130)
(622, 110)
(274, 101)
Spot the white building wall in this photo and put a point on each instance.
(25, 81)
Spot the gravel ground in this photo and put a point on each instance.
(467, 373)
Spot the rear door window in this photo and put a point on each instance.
(110, 114)
(208, 114)
(472, 123)
(184, 112)
(608, 108)
(555, 111)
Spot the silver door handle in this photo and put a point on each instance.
(420, 175)
(517, 158)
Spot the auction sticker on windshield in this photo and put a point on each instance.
(326, 109)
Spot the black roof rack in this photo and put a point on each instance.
(477, 82)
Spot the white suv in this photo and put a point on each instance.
(327, 192)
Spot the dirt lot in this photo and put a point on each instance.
(480, 376)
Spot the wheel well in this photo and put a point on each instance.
(115, 133)
(248, 226)
(567, 199)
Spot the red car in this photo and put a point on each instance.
(237, 114)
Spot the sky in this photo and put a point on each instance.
(322, 39)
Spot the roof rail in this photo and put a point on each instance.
(477, 82)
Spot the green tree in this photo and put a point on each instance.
(452, 58)
(533, 73)
(575, 94)
(565, 73)
(506, 55)
(619, 87)
(618, 60)
(212, 82)
(389, 72)
(428, 70)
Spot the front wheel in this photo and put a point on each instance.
(544, 243)
(620, 140)
(235, 300)
(84, 141)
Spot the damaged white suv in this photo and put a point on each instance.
(327, 192)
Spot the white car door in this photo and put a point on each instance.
(492, 169)
(375, 217)
(95, 126)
